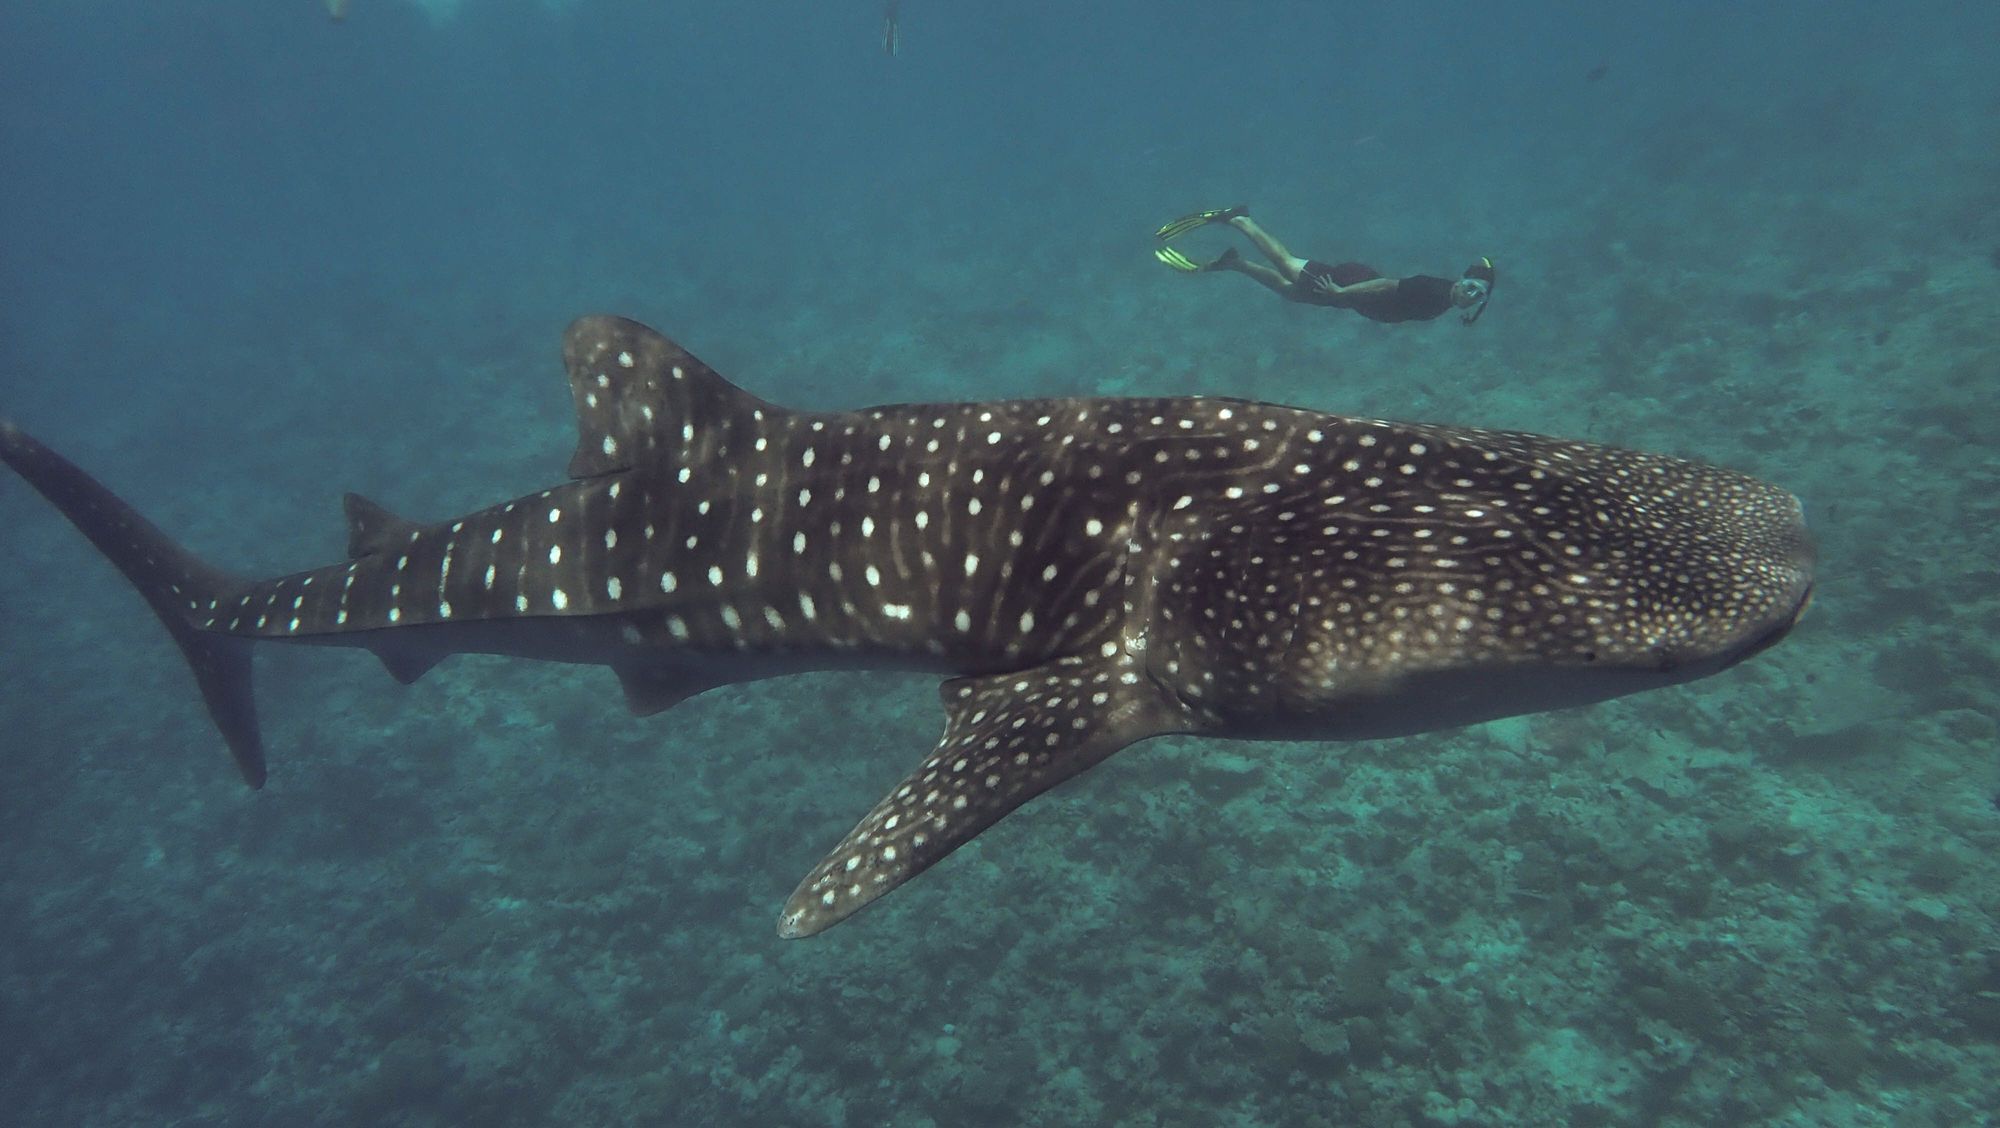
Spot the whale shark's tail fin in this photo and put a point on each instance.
(177, 585)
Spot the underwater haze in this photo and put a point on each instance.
(252, 256)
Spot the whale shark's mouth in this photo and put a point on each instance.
(1778, 630)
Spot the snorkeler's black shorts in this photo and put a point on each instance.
(1420, 297)
(1316, 274)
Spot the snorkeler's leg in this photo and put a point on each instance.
(1264, 275)
(1289, 265)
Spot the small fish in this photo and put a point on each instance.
(1597, 72)
(1087, 573)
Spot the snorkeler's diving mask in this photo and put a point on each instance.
(1477, 283)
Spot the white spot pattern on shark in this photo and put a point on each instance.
(1092, 572)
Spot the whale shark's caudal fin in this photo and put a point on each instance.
(172, 580)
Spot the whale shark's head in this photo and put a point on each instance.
(1449, 576)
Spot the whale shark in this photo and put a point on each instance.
(1086, 573)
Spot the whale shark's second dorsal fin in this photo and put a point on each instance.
(641, 398)
(371, 531)
(371, 528)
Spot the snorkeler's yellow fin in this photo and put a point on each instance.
(1188, 223)
(1177, 260)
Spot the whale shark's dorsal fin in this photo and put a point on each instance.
(641, 398)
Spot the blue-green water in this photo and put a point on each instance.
(251, 258)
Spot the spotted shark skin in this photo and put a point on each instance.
(1088, 572)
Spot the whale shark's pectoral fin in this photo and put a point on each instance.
(1007, 738)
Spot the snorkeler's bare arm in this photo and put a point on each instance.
(1326, 285)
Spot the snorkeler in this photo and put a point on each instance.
(1346, 285)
